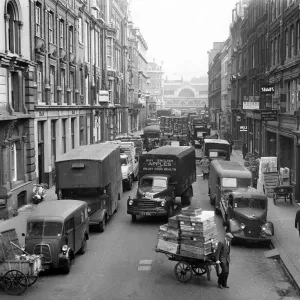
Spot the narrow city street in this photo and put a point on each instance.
(121, 264)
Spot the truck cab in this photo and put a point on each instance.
(155, 197)
(244, 212)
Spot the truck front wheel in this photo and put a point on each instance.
(101, 225)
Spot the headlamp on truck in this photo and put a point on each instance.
(242, 226)
(264, 227)
(163, 202)
(64, 249)
(130, 200)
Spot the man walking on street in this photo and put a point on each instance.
(223, 259)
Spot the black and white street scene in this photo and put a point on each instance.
(150, 150)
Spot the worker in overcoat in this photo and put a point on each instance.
(223, 260)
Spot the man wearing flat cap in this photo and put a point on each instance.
(223, 259)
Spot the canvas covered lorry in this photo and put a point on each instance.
(91, 173)
(164, 174)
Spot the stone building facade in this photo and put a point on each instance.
(138, 80)
(265, 50)
(17, 152)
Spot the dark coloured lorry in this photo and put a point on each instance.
(91, 173)
(164, 174)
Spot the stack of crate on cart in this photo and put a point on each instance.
(189, 234)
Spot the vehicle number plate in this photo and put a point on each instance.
(146, 214)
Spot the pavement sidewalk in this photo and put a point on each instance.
(286, 239)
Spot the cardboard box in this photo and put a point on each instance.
(168, 246)
(189, 211)
(174, 222)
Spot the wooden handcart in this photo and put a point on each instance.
(18, 269)
(283, 191)
(186, 267)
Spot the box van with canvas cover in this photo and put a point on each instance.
(91, 173)
(225, 177)
(216, 149)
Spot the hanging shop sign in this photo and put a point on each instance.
(251, 102)
(267, 89)
(269, 115)
(243, 128)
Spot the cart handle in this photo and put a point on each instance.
(19, 248)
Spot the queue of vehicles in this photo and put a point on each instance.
(90, 181)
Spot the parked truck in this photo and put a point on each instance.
(91, 173)
(129, 163)
(164, 174)
(151, 136)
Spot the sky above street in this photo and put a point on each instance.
(180, 32)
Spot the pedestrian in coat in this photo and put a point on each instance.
(223, 259)
(244, 150)
(297, 221)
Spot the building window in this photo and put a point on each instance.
(13, 29)
(93, 46)
(87, 79)
(39, 80)
(15, 91)
(109, 52)
(51, 28)
(298, 37)
(64, 135)
(72, 87)
(13, 162)
(61, 34)
(52, 84)
(53, 142)
(292, 40)
(71, 39)
(63, 85)
(97, 49)
(286, 44)
(38, 29)
(86, 41)
(80, 31)
(82, 130)
(71, 3)
(73, 133)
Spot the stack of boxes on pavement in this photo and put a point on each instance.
(285, 176)
(189, 234)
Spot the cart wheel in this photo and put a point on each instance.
(15, 282)
(32, 279)
(198, 270)
(274, 199)
(183, 272)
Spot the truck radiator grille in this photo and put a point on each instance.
(45, 251)
(146, 204)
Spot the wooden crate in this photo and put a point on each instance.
(271, 180)
(8, 250)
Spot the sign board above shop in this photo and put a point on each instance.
(267, 89)
(251, 102)
(269, 115)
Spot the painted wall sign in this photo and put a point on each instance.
(267, 89)
(269, 115)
